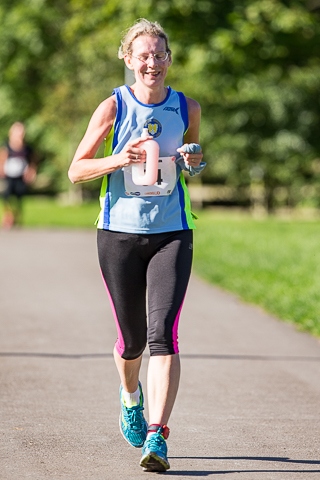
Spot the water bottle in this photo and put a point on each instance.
(147, 174)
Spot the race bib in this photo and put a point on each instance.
(167, 178)
(15, 166)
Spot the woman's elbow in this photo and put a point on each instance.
(72, 175)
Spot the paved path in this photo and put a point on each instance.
(248, 406)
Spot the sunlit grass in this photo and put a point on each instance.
(271, 262)
(48, 212)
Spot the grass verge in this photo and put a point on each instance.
(271, 262)
(48, 212)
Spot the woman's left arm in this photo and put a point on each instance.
(192, 135)
(192, 159)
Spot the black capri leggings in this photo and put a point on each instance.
(15, 187)
(134, 264)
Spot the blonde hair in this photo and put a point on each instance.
(141, 27)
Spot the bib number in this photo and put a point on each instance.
(15, 166)
(166, 181)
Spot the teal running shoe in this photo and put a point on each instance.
(133, 425)
(154, 451)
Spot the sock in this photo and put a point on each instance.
(154, 427)
(131, 399)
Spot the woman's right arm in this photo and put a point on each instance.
(84, 166)
(3, 158)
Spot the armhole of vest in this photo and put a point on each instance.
(108, 143)
(184, 110)
(118, 94)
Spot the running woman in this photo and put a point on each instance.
(18, 167)
(144, 232)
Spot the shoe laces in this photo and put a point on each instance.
(133, 416)
(155, 441)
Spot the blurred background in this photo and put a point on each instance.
(254, 67)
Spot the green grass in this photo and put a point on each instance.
(271, 262)
(47, 212)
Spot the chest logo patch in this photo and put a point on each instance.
(154, 127)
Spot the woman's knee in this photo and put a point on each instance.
(131, 351)
(164, 347)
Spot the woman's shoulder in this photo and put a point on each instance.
(109, 102)
(106, 110)
(193, 105)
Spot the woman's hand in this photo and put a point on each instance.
(133, 152)
(192, 159)
(30, 174)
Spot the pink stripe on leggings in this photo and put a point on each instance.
(120, 341)
(175, 330)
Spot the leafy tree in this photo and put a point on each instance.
(29, 37)
(255, 74)
(253, 66)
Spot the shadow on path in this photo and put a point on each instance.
(273, 358)
(206, 473)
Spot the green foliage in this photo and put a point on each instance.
(253, 66)
(43, 212)
(272, 263)
(261, 101)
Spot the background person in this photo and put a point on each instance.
(144, 233)
(18, 168)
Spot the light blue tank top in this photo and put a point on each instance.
(123, 211)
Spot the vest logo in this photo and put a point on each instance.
(172, 109)
(154, 127)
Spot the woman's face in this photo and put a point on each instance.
(147, 69)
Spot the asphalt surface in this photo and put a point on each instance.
(248, 404)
